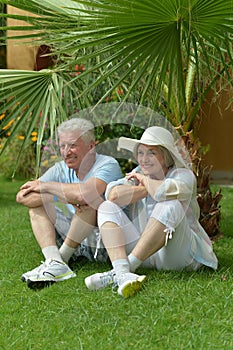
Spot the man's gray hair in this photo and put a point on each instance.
(84, 126)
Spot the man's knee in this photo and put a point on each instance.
(40, 212)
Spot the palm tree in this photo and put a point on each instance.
(166, 55)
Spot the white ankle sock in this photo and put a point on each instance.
(134, 262)
(66, 252)
(120, 266)
(52, 252)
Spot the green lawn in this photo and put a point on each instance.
(174, 311)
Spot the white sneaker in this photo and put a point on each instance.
(100, 280)
(51, 271)
(25, 276)
(129, 284)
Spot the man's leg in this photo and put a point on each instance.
(82, 225)
(42, 222)
(53, 269)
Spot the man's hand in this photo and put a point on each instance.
(32, 186)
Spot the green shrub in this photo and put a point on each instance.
(27, 162)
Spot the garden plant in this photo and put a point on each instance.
(164, 55)
(183, 310)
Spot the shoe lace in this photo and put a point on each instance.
(107, 278)
(122, 278)
(117, 281)
(42, 266)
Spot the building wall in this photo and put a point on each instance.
(19, 55)
(216, 130)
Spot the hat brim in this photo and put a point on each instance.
(130, 145)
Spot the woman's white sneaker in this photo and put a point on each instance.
(129, 284)
(100, 280)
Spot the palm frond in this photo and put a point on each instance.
(147, 47)
(34, 99)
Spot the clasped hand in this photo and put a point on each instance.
(32, 186)
(139, 179)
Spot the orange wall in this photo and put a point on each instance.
(216, 129)
(19, 56)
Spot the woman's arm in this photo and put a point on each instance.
(181, 185)
(126, 194)
(151, 185)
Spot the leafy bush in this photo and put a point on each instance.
(26, 165)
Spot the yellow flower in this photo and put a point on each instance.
(34, 139)
(2, 116)
(20, 137)
(8, 133)
(45, 163)
(34, 133)
(8, 125)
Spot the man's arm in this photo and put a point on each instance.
(84, 193)
(33, 199)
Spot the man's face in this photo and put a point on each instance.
(74, 149)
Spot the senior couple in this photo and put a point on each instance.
(148, 218)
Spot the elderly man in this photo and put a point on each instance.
(79, 181)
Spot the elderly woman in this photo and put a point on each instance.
(150, 217)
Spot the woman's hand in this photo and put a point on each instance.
(137, 178)
(151, 185)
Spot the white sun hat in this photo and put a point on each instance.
(154, 136)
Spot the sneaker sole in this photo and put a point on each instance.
(25, 278)
(38, 285)
(130, 288)
(42, 283)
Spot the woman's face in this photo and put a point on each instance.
(151, 161)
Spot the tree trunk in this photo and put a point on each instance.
(210, 209)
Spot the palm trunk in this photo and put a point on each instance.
(208, 201)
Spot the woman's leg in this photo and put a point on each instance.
(153, 238)
(119, 235)
(114, 240)
(166, 241)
